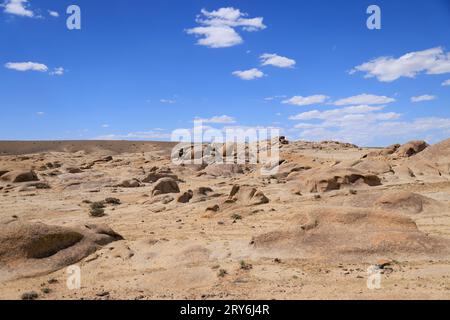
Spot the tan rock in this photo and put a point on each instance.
(19, 176)
(165, 185)
(322, 180)
(28, 249)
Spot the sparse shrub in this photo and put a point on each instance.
(97, 205)
(222, 273)
(31, 295)
(113, 201)
(244, 265)
(46, 290)
(236, 216)
(97, 212)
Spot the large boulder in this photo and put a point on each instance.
(407, 202)
(383, 152)
(130, 183)
(328, 179)
(246, 195)
(375, 166)
(286, 168)
(223, 170)
(350, 234)
(158, 173)
(411, 148)
(436, 156)
(165, 185)
(28, 249)
(17, 176)
(186, 197)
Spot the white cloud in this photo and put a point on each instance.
(168, 101)
(105, 125)
(216, 37)
(446, 83)
(306, 101)
(364, 98)
(139, 135)
(276, 60)
(249, 74)
(218, 28)
(218, 119)
(26, 66)
(388, 69)
(425, 97)
(367, 130)
(367, 125)
(40, 113)
(53, 13)
(274, 98)
(57, 71)
(18, 7)
(338, 114)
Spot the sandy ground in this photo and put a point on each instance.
(183, 251)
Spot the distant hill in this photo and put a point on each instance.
(88, 146)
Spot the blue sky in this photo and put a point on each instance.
(140, 69)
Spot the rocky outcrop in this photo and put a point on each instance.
(19, 176)
(349, 234)
(130, 183)
(159, 173)
(165, 185)
(28, 249)
(223, 170)
(246, 195)
(328, 179)
(411, 148)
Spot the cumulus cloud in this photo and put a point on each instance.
(306, 101)
(57, 71)
(167, 101)
(367, 130)
(388, 69)
(366, 125)
(53, 13)
(338, 114)
(368, 99)
(270, 59)
(249, 74)
(218, 119)
(26, 66)
(446, 83)
(217, 29)
(18, 8)
(425, 97)
(274, 98)
(154, 134)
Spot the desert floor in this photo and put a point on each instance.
(309, 231)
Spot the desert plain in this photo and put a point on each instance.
(139, 226)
